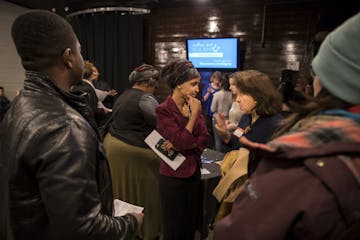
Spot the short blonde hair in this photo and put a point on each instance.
(88, 69)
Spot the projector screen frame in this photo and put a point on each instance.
(238, 57)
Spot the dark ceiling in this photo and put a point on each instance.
(75, 5)
(65, 7)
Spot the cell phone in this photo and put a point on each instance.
(171, 153)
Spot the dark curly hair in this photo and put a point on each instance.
(40, 37)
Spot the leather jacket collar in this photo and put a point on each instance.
(36, 81)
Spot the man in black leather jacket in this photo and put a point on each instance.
(59, 185)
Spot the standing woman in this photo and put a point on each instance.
(134, 166)
(260, 104)
(235, 112)
(207, 97)
(221, 104)
(180, 122)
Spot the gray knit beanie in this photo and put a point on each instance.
(338, 61)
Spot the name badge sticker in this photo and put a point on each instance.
(238, 132)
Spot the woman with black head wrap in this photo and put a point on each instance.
(180, 122)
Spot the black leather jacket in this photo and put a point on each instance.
(60, 183)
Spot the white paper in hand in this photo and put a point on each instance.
(152, 139)
(204, 171)
(122, 208)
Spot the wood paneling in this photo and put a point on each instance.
(287, 33)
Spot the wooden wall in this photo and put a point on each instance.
(276, 36)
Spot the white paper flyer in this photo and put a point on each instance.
(154, 138)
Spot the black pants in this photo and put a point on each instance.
(209, 126)
(180, 199)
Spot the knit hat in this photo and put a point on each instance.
(143, 73)
(338, 61)
(179, 71)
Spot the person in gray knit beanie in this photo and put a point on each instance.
(337, 63)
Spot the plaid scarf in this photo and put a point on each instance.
(326, 134)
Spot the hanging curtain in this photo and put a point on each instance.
(114, 42)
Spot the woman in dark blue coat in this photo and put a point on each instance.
(260, 103)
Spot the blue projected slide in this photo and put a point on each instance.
(218, 53)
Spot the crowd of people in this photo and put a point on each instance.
(306, 185)
(66, 156)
